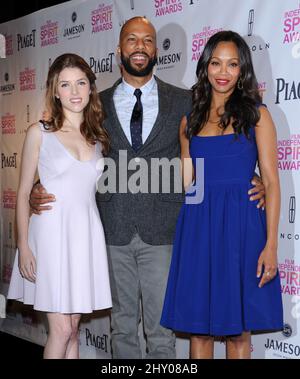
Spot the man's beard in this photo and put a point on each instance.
(143, 72)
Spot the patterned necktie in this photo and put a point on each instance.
(136, 122)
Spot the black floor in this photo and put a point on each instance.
(13, 347)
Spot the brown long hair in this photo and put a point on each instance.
(91, 127)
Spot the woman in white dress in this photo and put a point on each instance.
(61, 266)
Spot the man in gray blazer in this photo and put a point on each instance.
(142, 118)
(139, 227)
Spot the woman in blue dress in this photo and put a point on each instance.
(223, 279)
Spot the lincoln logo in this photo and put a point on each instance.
(250, 22)
(292, 209)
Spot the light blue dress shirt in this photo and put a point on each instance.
(125, 100)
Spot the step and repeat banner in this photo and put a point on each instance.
(90, 28)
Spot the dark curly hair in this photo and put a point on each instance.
(242, 105)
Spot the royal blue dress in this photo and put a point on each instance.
(212, 287)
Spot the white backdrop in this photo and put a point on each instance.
(91, 28)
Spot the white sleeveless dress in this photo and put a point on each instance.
(68, 240)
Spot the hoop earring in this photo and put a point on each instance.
(240, 84)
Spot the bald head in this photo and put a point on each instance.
(137, 48)
(138, 22)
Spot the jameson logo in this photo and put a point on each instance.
(287, 91)
(75, 30)
(7, 87)
(170, 59)
(283, 347)
(100, 342)
(102, 64)
(27, 40)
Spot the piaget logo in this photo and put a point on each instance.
(102, 64)
(287, 90)
(9, 161)
(26, 40)
(99, 342)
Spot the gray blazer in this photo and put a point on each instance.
(152, 215)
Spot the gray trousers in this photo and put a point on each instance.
(138, 275)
